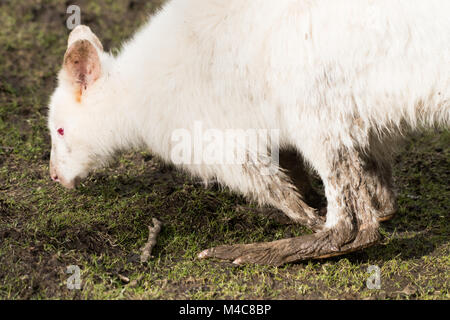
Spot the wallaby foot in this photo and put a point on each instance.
(314, 246)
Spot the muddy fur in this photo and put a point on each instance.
(279, 191)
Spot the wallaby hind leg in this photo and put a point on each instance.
(382, 186)
(294, 166)
(351, 221)
(381, 189)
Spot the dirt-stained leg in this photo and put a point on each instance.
(382, 187)
(380, 184)
(351, 220)
(274, 189)
(294, 166)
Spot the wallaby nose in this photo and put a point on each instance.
(53, 173)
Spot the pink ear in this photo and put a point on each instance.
(82, 64)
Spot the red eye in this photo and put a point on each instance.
(61, 131)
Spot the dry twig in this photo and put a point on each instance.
(151, 242)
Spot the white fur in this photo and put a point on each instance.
(328, 74)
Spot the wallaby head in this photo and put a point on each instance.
(76, 135)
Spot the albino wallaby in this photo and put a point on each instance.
(338, 81)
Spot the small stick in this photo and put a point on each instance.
(151, 242)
